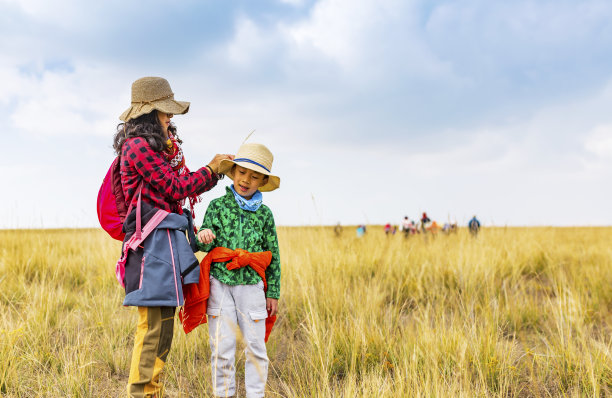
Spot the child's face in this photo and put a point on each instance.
(247, 181)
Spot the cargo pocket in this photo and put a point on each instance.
(257, 332)
(216, 331)
(258, 316)
(213, 312)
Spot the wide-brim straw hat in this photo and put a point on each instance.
(153, 93)
(255, 157)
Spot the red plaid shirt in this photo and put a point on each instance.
(163, 187)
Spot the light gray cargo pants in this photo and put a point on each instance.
(231, 308)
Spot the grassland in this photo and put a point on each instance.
(517, 312)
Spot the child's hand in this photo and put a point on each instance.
(206, 236)
(271, 306)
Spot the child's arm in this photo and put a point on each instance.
(207, 232)
(273, 272)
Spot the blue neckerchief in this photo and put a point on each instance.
(248, 204)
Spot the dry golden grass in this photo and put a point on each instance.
(517, 312)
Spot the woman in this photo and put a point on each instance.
(153, 165)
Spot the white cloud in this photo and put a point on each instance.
(599, 141)
(14, 84)
(336, 28)
(66, 103)
(369, 38)
(249, 45)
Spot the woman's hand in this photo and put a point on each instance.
(206, 236)
(214, 164)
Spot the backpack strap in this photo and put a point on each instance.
(135, 240)
(139, 235)
(131, 206)
(190, 230)
(138, 232)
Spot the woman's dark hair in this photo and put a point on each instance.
(146, 126)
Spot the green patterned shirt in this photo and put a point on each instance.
(236, 228)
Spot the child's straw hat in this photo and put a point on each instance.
(255, 157)
(149, 93)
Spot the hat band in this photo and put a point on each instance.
(252, 161)
(158, 99)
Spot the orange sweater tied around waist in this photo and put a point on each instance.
(196, 296)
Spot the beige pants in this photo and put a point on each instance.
(231, 308)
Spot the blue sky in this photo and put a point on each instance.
(374, 109)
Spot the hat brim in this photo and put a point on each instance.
(225, 167)
(165, 106)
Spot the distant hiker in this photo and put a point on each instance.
(413, 227)
(474, 226)
(424, 222)
(387, 229)
(434, 228)
(239, 234)
(449, 228)
(361, 230)
(153, 170)
(338, 230)
(405, 226)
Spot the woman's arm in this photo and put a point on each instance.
(156, 171)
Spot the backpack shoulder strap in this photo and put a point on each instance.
(137, 238)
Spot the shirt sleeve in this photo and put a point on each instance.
(156, 171)
(209, 222)
(273, 272)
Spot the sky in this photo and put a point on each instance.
(374, 109)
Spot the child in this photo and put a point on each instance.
(238, 296)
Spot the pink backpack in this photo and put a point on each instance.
(112, 208)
